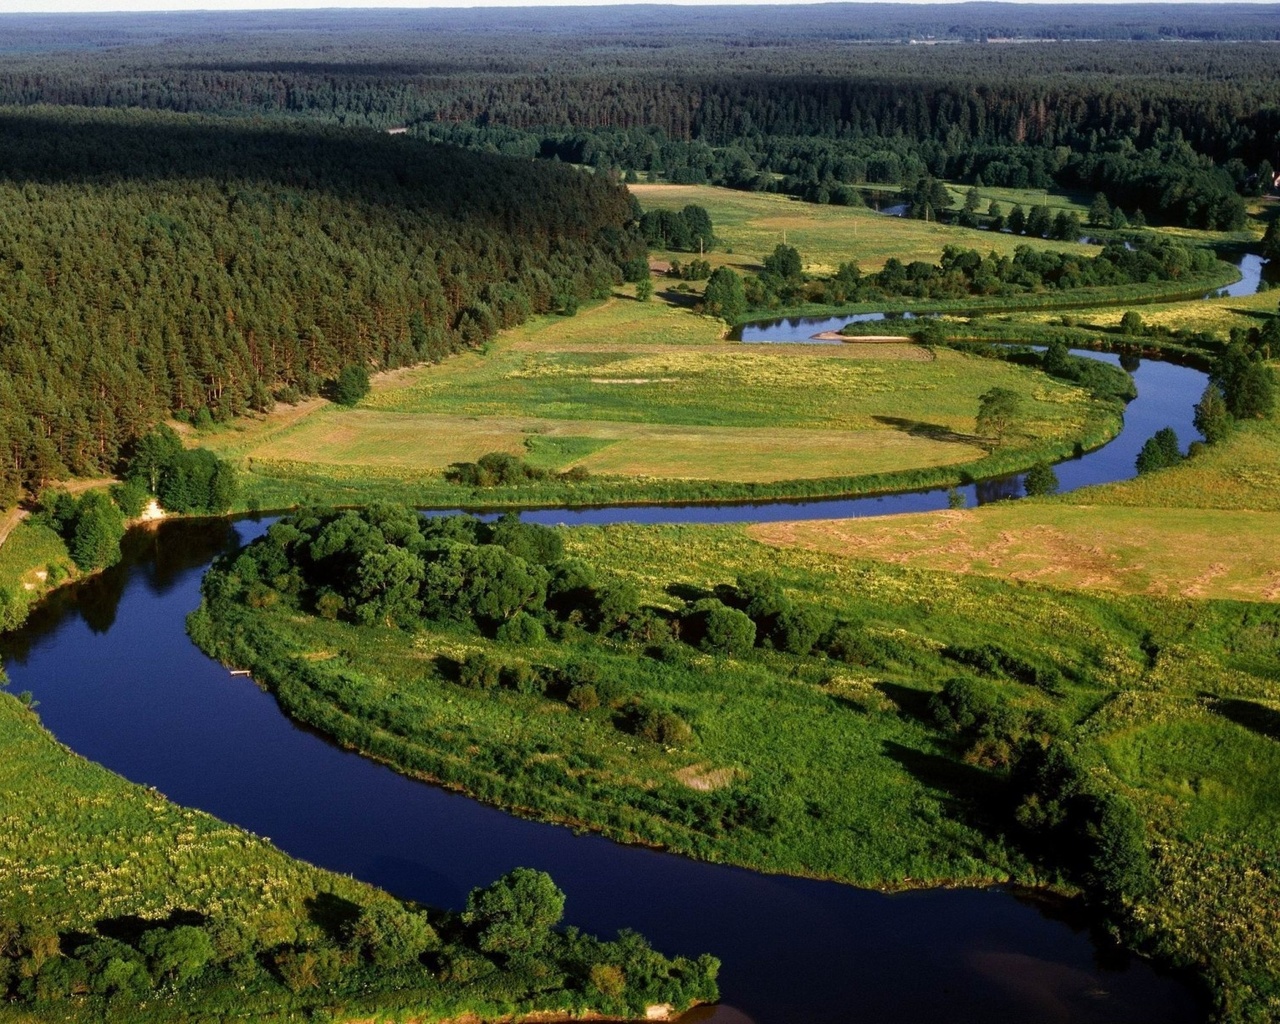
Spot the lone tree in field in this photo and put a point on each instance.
(998, 410)
(1212, 417)
(351, 385)
(725, 296)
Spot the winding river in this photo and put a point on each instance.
(119, 682)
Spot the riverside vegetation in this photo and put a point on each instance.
(778, 709)
(118, 905)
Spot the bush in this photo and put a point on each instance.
(1040, 480)
(1160, 451)
(516, 913)
(522, 630)
(724, 630)
(583, 697)
(477, 671)
(962, 705)
(351, 385)
(796, 630)
(657, 726)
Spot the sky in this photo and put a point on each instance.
(75, 6)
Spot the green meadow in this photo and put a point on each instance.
(839, 766)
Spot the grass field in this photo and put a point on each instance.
(1217, 315)
(750, 224)
(1175, 552)
(33, 560)
(619, 391)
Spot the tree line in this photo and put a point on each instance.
(155, 265)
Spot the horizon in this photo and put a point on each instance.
(54, 7)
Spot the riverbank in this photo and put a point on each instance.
(266, 933)
(757, 717)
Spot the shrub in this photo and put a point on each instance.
(1040, 480)
(351, 385)
(522, 630)
(391, 936)
(796, 630)
(962, 705)
(721, 629)
(583, 697)
(657, 726)
(176, 954)
(516, 913)
(477, 671)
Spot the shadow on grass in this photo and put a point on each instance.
(911, 703)
(1257, 718)
(335, 916)
(970, 794)
(932, 431)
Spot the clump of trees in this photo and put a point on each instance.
(686, 230)
(505, 945)
(961, 273)
(191, 481)
(1160, 451)
(501, 469)
(92, 526)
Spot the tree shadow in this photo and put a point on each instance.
(1256, 718)
(129, 928)
(932, 431)
(962, 786)
(688, 592)
(911, 703)
(333, 914)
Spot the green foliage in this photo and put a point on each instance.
(998, 411)
(1246, 382)
(351, 385)
(1040, 480)
(687, 230)
(721, 629)
(391, 936)
(725, 296)
(1212, 417)
(1160, 451)
(192, 481)
(92, 527)
(1131, 323)
(176, 955)
(516, 913)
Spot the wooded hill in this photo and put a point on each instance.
(154, 263)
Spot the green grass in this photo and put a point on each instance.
(33, 559)
(1175, 700)
(750, 224)
(649, 419)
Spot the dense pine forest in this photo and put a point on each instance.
(154, 264)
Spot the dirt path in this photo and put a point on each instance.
(11, 519)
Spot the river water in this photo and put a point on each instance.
(120, 683)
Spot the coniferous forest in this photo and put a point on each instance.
(243, 229)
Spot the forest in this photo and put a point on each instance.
(248, 194)
(158, 265)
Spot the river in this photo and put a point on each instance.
(119, 682)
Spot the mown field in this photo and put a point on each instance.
(619, 392)
(750, 224)
(839, 767)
